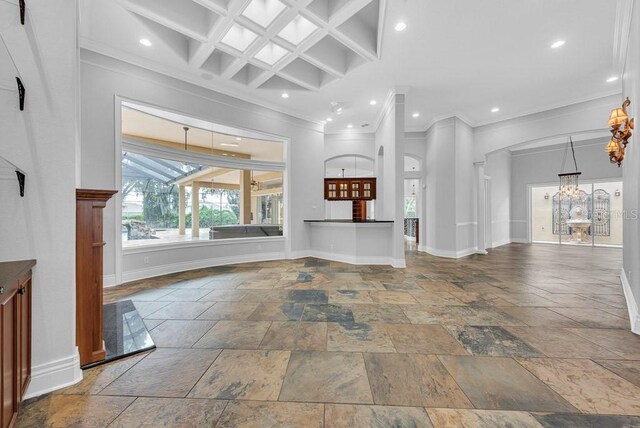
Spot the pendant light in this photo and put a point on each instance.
(569, 181)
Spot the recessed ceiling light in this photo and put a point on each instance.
(230, 144)
(285, 95)
(145, 42)
(557, 44)
(329, 119)
(495, 109)
(373, 102)
(349, 126)
(416, 115)
(401, 26)
(612, 79)
(238, 139)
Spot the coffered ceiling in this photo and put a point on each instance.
(455, 57)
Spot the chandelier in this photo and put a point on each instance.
(621, 127)
(569, 180)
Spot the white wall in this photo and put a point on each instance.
(498, 168)
(42, 141)
(542, 165)
(440, 217)
(631, 173)
(465, 214)
(103, 79)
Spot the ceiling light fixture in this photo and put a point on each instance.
(612, 79)
(373, 102)
(401, 26)
(349, 126)
(230, 144)
(336, 107)
(495, 109)
(238, 139)
(415, 115)
(329, 119)
(285, 95)
(145, 42)
(557, 44)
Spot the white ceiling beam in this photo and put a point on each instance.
(160, 19)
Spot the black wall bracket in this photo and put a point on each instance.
(21, 93)
(22, 11)
(21, 178)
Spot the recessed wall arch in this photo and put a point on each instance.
(354, 165)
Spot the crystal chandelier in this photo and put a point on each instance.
(569, 180)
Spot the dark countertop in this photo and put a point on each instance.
(349, 221)
(11, 271)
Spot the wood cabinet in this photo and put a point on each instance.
(15, 337)
(89, 248)
(349, 189)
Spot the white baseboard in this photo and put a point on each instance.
(135, 275)
(519, 240)
(450, 254)
(54, 375)
(632, 306)
(350, 259)
(422, 248)
(399, 263)
(300, 254)
(500, 243)
(109, 281)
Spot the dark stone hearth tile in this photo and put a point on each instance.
(170, 412)
(350, 416)
(330, 377)
(308, 296)
(246, 375)
(71, 411)
(502, 384)
(412, 380)
(277, 312)
(445, 418)
(165, 372)
(494, 341)
(261, 414)
(555, 420)
(327, 313)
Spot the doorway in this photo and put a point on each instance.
(411, 213)
(594, 217)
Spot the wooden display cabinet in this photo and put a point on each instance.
(349, 189)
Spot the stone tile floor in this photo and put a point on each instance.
(526, 336)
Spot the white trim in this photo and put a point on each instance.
(622, 29)
(108, 281)
(450, 254)
(154, 271)
(519, 241)
(500, 243)
(54, 375)
(150, 248)
(349, 259)
(632, 306)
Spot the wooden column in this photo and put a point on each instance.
(245, 197)
(181, 210)
(89, 245)
(195, 210)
